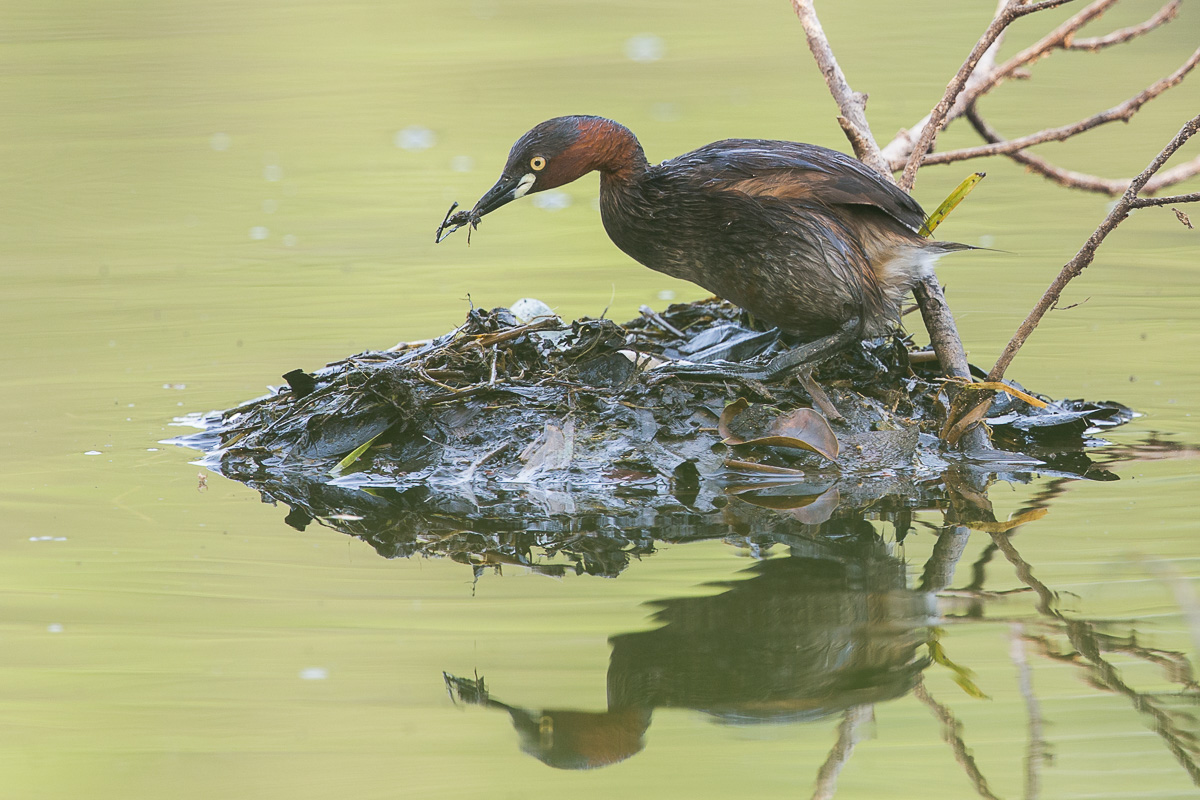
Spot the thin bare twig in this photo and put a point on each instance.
(897, 151)
(1088, 252)
(852, 104)
(1012, 11)
(1145, 202)
(1123, 112)
(1082, 180)
(986, 76)
(1122, 35)
(1056, 39)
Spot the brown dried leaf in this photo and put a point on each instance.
(802, 429)
(727, 415)
(1182, 217)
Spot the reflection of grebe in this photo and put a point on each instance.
(803, 637)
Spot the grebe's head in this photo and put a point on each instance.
(554, 153)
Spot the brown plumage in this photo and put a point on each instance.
(801, 236)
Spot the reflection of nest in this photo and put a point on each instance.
(519, 528)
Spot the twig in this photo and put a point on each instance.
(1088, 252)
(1082, 180)
(658, 320)
(1122, 35)
(1012, 11)
(897, 151)
(943, 336)
(1146, 202)
(986, 76)
(852, 104)
(1123, 112)
(1054, 40)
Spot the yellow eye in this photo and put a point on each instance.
(537, 163)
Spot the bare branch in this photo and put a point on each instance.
(852, 104)
(1088, 252)
(1083, 180)
(943, 333)
(1054, 40)
(1026, 7)
(987, 76)
(1122, 35)
(1011, 12)
(897, 151)
(1123, 112)
(1143, 202)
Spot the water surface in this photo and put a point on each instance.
(199, 197)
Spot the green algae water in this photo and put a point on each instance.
(198, 197)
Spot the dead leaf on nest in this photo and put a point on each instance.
(802, 429)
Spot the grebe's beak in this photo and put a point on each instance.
(505, 191)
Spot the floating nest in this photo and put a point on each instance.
(520, 424)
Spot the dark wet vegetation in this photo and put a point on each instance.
(653, 417)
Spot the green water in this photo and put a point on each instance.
(198, 197)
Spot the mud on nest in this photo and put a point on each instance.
(513, 401)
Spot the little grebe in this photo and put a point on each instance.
(802, 237)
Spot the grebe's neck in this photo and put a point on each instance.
(612, 149)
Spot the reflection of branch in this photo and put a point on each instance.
(1036, 755)
(952, 734)
(1084, 638)
(1083, 258)
(947, 550)
(1185, 596)
(848, 737)
(1122, 112)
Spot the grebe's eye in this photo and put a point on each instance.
(537, 163)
